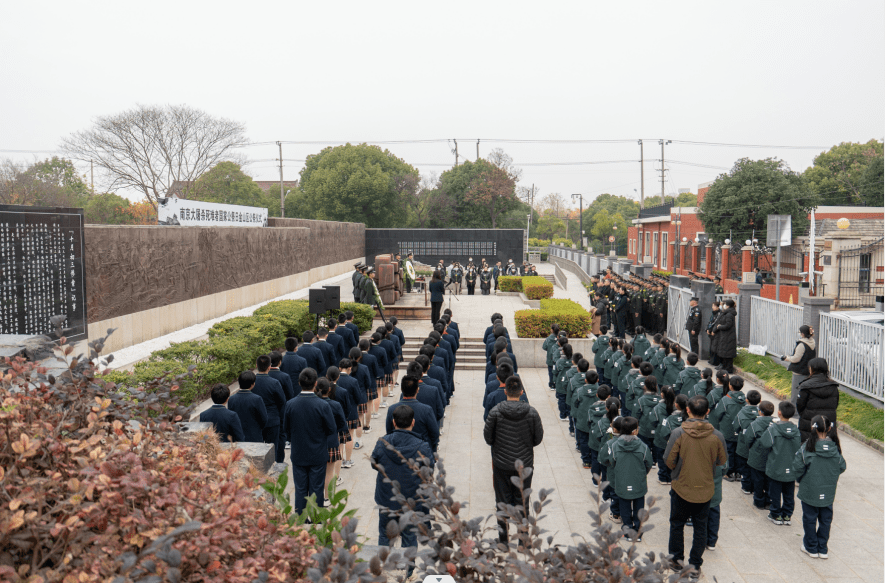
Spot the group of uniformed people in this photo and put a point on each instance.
(365, 290)
(623, 305)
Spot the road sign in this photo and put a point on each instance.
(779, 230)
(611, 238)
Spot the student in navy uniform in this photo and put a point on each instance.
(283, 378)
(427, 394)
(343, 397)
(333, 442)
(452, 322)
(348, 383)
(354, 329)
(226, 423)
(390, 464)
(336, 340)
(309, 421)
(435, 371)
(425, 421)
(499, 393)
(375, 358)
(399, 333)
(346, 334)
(311, 354)
(390, 352)
(426, 379)
(322, 343)
(271, 392)
(361, 373)
(293, 364)
(250, 408)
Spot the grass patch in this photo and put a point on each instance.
(860, 415)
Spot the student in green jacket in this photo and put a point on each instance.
(653, 349)
(740, 425)
(640, 342)
(657, 359)
(720, 388)
(723, 419)
(672, 365)
(629, 461)
(703, 386)
(594, 435)
(585, 398)
(714, 515)
(689, 376)
(549, 343)
(609, 367)
(782, 440)
(575, 377)
(758, 456)
(598, 349)
(620, 369)
(560, 369)
(671, 413)
(606, 355)
(645, 407)
(629, 396)
(817, 467)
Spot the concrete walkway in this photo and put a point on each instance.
(750, 548)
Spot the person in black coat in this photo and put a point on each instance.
(250, 408)
(293, 364)
(485, 281)
(312, 354)
(427, 393)
(276, 360)
(426, 426)
(322, 344)
(227, 423)
(622, 307)
(346, 333)
(818, 395)
(387, 459)
(513, 429)
(346, 390)
(336, 341)
(437, 295)
(711, 324)
(725, 336)
(435, 371)
(309, 421)
(351, 325)
(271, 392)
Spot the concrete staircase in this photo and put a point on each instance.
(408, 307)
(471, 355)
(549, 277)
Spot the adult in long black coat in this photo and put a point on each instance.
(818, 395)
(725, 336)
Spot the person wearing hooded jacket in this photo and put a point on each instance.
(390, 463)
(723, 417)
(782, 442)
(803, 352)
(688, 376)
(817, 467)
(740, 425)
(818, 395)
(513, 429)
(693, 453)
(629, 460)
(640, 342)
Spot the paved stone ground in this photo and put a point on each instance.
(750, 548)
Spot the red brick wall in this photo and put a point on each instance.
(702, 192)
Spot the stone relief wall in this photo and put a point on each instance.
(131, 269)
(330, 241)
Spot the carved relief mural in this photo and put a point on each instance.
(330, 241)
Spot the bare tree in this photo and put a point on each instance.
(554, 204)
(502, 160)
(150, 148)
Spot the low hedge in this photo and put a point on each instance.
(572, 318)
(534, 287)
(232, 347)
(660, 273)
(563, 241)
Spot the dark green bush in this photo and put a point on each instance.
(573, 319)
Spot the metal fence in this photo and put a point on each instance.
(855, 352)
(677, 314)
(774, 325)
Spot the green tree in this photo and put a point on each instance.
(494, 192)
(357, 183)
(847, 174)
(684, 199)
(107, 208)
(738, 203)
(51, 182)
(549, 227)
(612, 204)
(226, 183)
(454, 184)
(61, 173)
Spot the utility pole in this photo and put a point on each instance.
(456, 151)
(477, 149)
(641, 176)
(282, 196)
(663, 169)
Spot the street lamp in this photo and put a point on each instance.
(678, 223)
(581, 217)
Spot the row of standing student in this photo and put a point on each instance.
(614, 401)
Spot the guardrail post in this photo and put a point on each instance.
(705, 291)
(812, 308)
(745, 309)
(680, 281)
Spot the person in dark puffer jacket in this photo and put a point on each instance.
(513, 429)
(818, 395)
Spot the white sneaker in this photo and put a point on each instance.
(357, 445)
(374, 415)
(809, 553)
(340, 480)
(822, 556)
(383, 404)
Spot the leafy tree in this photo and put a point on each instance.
(517, 217)
(142, 213)
(684, 199)
(603, 227)
(62, 173)
(108, 209)
(52, 182)
(494, 192)
(549, 227)
(226, 183)
(847, 174)
(739, 202)
(428, 205)
(612, 204)
(357, 183)
(148, 148)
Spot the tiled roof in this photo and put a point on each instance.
(860, 228)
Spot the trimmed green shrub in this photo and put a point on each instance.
(535, 242)
(510, 283)
(572, 318)
(537, 288)
(660, 273)
(543, 257)
(291, 313)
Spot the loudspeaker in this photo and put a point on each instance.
(317, 301)
(333, 297)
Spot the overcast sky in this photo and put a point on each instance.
(803, 74)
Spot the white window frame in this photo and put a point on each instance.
(664, 237)
(654, 248)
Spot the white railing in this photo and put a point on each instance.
(774, 324)
(677, 314)
(855, 352)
